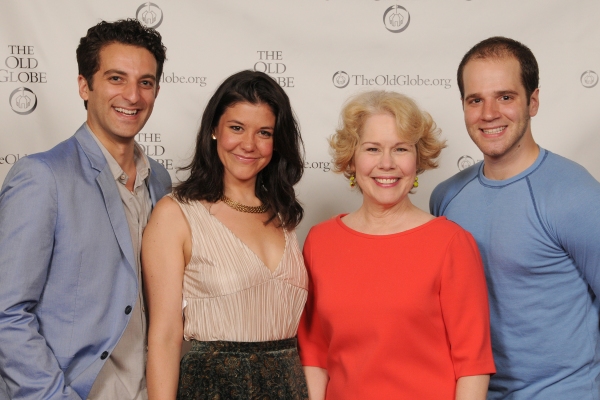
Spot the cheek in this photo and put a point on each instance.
(266, 149)
(226, 142)
(364, 165)
(470, 117)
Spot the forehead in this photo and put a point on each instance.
(124, 56)
(248, 110)
(495, 74)
(380, 125)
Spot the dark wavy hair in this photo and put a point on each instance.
(126, 31)
(499, 47)
(274, 183)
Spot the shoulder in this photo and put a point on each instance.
(446, 191)
(325, 228)
(34, 167)
(560, 170)
(63, 159)
(565, 196)
(167, 207)
(444, 230)
(160, 172)
(559, 181)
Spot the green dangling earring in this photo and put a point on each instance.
(416, 182)
(352, 181)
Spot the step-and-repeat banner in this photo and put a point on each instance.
(321, 52)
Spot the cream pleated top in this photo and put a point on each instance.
(230, 294)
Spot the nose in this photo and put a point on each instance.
(490, 111)
(386, 161)
(248, 141)
(131, 92)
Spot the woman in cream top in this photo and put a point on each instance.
(230, 294)
(225, 239)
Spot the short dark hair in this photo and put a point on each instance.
(126, 31)
(274, 183)
(501, 47)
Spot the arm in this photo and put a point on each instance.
(472, 387)
(575, 222)
(165, 252)
(316, 380)
(28, 213)
(463, 298)
(312, 345)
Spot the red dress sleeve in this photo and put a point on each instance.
(464, 302)
(312, 343)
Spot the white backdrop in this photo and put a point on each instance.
(321, 52)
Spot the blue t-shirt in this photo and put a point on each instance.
(539, 237)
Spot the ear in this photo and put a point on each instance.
(84, 88)
(534, 102)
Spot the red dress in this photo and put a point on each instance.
(399, 316)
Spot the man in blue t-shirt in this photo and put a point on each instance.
(536, 218)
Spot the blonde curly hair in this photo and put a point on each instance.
(415, 126)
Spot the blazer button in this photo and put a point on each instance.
(127, 310)
(104, 355)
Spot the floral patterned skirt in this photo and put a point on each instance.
(242, 370)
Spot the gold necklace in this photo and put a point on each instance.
(243, 208)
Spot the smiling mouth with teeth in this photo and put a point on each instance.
(493, 131)
(387, 180)
(126, 112)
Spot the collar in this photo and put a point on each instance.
(142, 165)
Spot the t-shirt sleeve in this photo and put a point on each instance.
(312, 343)
(576, 224)
(464, 302)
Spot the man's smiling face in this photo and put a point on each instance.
(124, 89)
(496, 109)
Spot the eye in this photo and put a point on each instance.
(475, 101)
(115, 78)
(506, 97)
(266, 134)
(235, 128)
(372, 149)
(401, 149)
(147, 83)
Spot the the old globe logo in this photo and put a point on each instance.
(396, 18)
(150, 15)
(23, 101)
(341, 79)
(589, 79)
(465, 162)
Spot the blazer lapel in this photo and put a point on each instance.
(110, 193)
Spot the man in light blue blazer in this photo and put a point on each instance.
(71, 218)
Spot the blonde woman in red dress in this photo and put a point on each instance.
(397, 305)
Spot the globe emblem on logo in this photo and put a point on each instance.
(23, 101)
(341, 79)
(149, 14)
(465, 162)
(396, 18)
(589, 79)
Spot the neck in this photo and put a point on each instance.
(122, 152)
(382, 219)
(242, 192)
(515, 161)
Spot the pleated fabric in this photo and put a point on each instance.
(230, 294)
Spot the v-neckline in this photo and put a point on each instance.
(236, 237)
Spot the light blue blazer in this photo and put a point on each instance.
(67, 269)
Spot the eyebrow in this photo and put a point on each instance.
(123, 73)
(496, 94)
(379, 144)
(235, 121)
